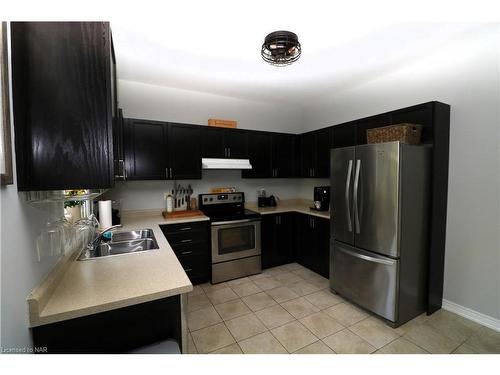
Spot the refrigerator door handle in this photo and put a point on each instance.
(356, 185)
(366, 257)
(347, 189)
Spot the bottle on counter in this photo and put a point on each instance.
(170, 203)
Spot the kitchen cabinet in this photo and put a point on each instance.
(145, 150)
(191, 245)
(260, 155)
(276, 239)
(63, 101)
(157, 150)
(315, 153)
(115, 331)
(284, 155)
(313, 248)
(344, 135)
(224, 143)
(272, 155)
(184, 158)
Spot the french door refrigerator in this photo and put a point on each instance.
(379, 231)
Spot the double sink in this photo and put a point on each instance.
(123, 242)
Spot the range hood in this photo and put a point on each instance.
(211, 163)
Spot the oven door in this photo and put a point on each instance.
(235, 239)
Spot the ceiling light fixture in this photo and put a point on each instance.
(281, 48)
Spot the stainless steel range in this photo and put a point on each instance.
(236, 250)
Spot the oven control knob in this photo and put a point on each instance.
(211, 199)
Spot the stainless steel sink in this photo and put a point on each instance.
(132, 235)
(123, 242)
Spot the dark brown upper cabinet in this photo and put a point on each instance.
(272, 155)
(224, 143)
(145, 147)
(156, 150)
(315, 153)
(344, 135)
(260, 154)
(184, 158)
(64, 101)
(284, 155)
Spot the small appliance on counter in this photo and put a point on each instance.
(264, 201)
(321, 198)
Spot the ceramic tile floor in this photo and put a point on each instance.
(289, 309)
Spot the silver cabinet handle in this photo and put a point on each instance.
(186, 228)
(347, 189)
(313, 172)
(186, 252)
(229, 151)
(188, 269)
(166, 173)
(185, 241)
(121, 169)
(356, 185)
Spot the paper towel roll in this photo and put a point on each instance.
(105, 220)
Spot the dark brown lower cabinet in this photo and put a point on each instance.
(289, 237)
(313, 247)
(191, 245)
(116, 331)
(276, 239)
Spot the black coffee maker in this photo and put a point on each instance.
(321, 198)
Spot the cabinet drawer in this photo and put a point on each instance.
(175, 239)
(196, 248)
(184, 227)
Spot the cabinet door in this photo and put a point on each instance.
(267, 237)
(344, 135)
(284, 239)
(62, 104)
(259, 153)
(284, 155)
(322, 232)
(212, 142)
(370, 123)
(307, 154)
(323, 142)
(146, 150)
(236, 143)
(184, 161)
(305, 241)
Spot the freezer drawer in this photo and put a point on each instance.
(367, 279)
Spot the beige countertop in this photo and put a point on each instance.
(291, 205)
(78, 288)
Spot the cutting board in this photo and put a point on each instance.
(181, 214)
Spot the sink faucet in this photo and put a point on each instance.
(99, 235)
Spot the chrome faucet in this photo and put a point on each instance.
(99, 235)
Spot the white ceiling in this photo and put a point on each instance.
(217, 48)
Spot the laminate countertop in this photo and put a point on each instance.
(302, 206)
(79, 288)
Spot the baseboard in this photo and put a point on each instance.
(470, 314)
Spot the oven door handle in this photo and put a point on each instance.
(234, 221)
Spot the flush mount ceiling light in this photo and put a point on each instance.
(281, 48)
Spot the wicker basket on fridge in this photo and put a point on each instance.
(404, 133)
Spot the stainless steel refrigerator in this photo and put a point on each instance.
(380, 201)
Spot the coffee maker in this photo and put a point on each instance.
(321, 198)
